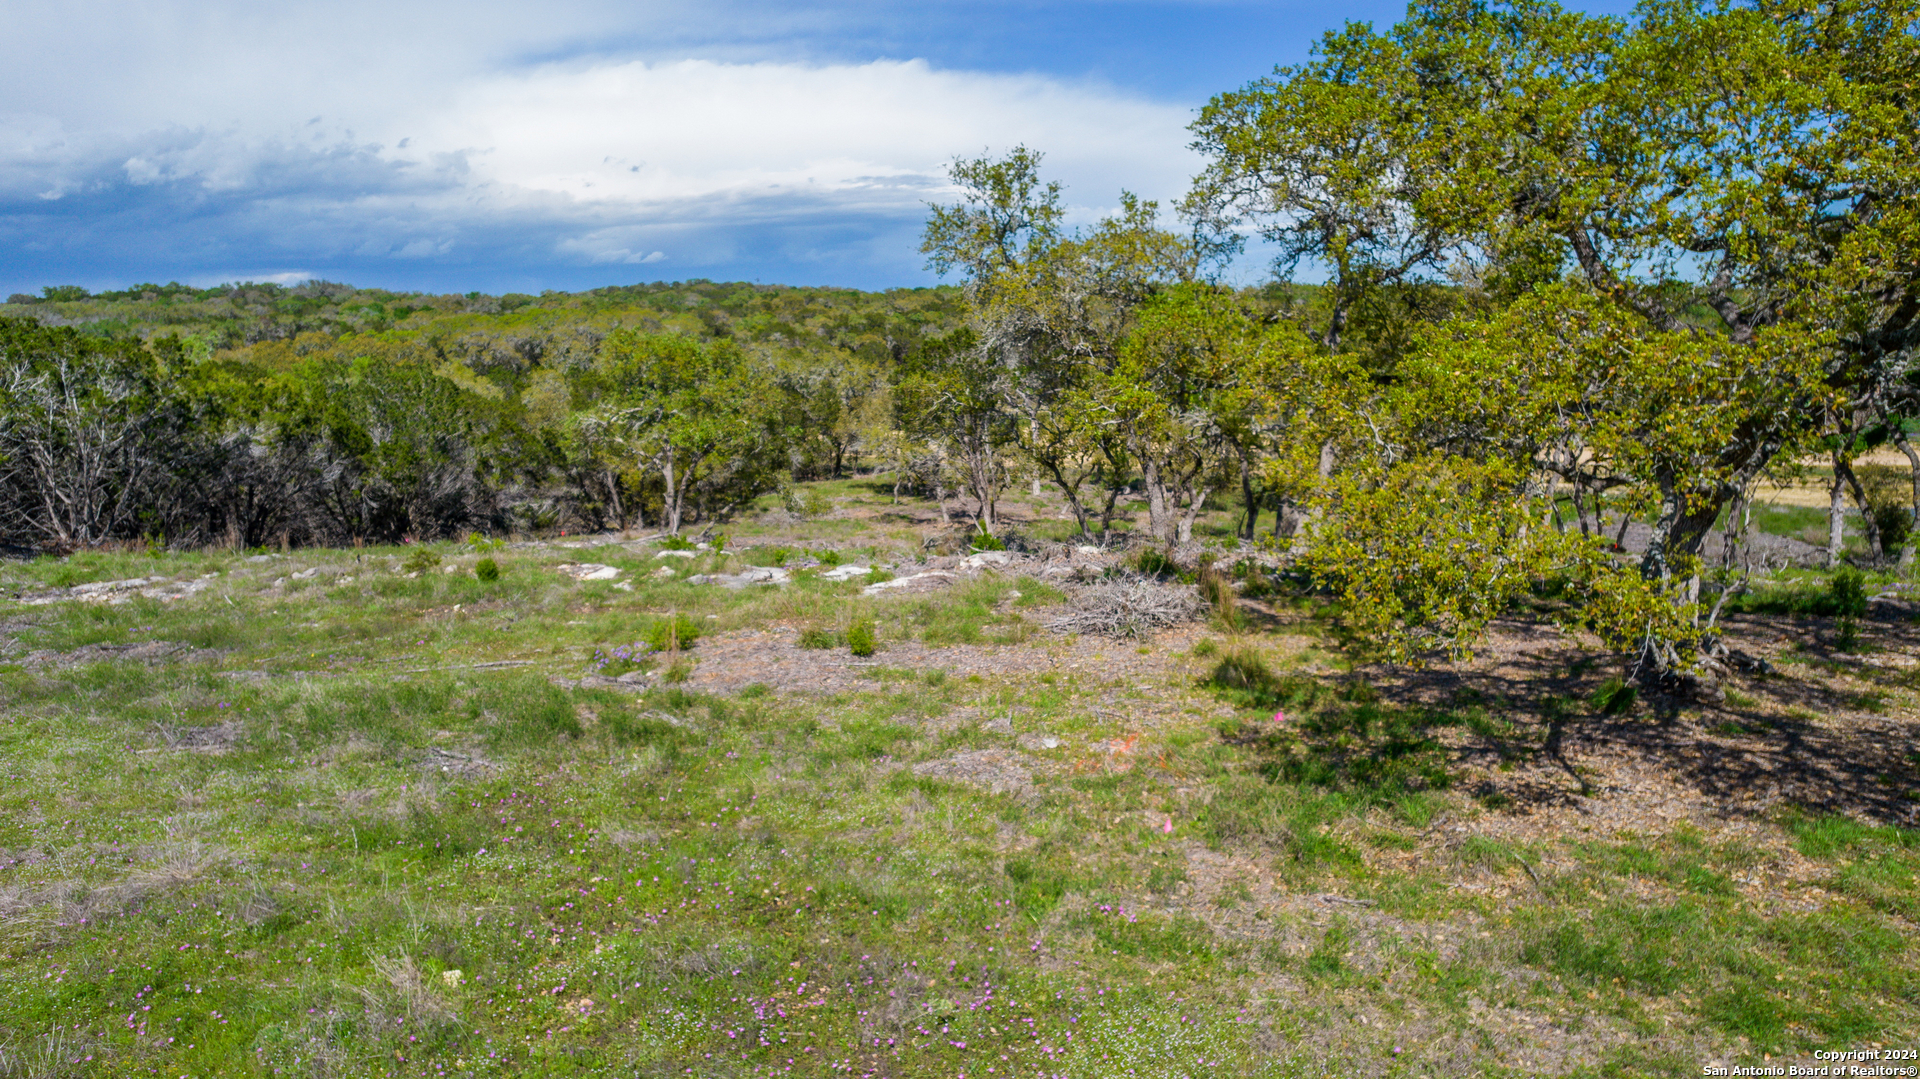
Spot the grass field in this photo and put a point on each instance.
(378, 821)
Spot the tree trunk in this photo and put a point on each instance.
(1844, 470)
(671, 497)
(1106, 511)
(1247, 498)
(1836, 514)
(1913, 529)
(1158, 525)
(613, 492)
(1678, 531)
(1071, 491)
(1187, 516)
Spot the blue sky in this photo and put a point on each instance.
(512, 147)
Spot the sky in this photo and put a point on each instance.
(510, 147)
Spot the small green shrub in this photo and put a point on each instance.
(828, 558)
(1614, 697)
(487, 570)
(1244, 677)
(1889, 498)
(673, 633)
(807, 504)
(860, 639)
(676, 542)
(420, 560)
(818, 638)
(1155, 563)
(982, 540)
(1847, 591)
(1219, 594)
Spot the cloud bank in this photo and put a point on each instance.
(502, 173)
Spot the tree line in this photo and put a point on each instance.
(654, 406)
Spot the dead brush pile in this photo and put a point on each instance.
(1131, 606)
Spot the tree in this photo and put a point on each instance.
(953, 390)
(1735, 176)
(1047, 312)
(691, 411)
(88, 432)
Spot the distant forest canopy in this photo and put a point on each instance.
(320, 413)
(231, 316)
(1578, 270)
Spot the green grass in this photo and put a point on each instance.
(273, 858)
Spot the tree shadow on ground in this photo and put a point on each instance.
(1792, 736)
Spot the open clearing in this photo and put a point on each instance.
(351, 813)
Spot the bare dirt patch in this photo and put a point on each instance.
(149, 652)
(730, 662)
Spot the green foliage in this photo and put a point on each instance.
(1576, 355)
(806, 505)
(673, 633)
(1244, 677)
(1614, 697)
(487, 570)
(1847, 593)
(817, 638)
(1155, 562)
(860, 638)
(1425, 553)
(1889, 492)
(421, 559)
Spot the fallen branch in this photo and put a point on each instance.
(1130, 607)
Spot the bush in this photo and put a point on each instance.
(1847, 592)
(420, 560)
(487, 569)
(672, 634)
(1614, 697)
(1243, 677)
(1889, 492)
(818, 638)
(807, 504)
(860, 639)
(676, 543)
(1218, 591)
(982, 540)
(1154, 562)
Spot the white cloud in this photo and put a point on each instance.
(262, 135)
(612, 135)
